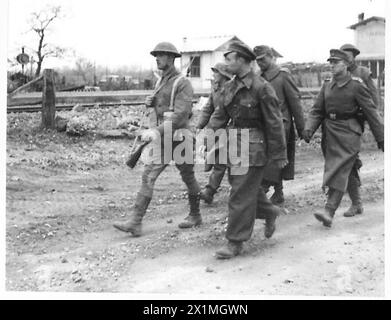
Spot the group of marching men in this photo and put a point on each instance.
(268, 107)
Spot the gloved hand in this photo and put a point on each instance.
(306, 135)
(380, 145)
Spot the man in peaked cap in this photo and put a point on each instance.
(354, 183)
(292, 115)
(169, 112)
(337, 106)
(220, 76)
(249, 106)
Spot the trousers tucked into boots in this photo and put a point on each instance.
(134, 224)
(354, 194)
(194, 218)
(278, 195)
(334, 198)
(268, 211)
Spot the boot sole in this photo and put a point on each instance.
(348, 215)
(268, 235)
(134, 234)
(189, 226)
(322, 219)
(225, 257)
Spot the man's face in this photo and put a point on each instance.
(233, 63)
(338, 67)
(164, 60)
(351, 55)
(265, 62)
(217, 77)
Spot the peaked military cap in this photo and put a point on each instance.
(241, 48)
(222, 69)
(261, 51)
(351, 48)
(336, 54)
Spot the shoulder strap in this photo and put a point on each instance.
(174, 86)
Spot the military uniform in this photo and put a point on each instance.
(249, 103)
(213, 102)
(292, 114)
(354, 182)
(337, 105)
(179, 118)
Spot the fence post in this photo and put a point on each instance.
(48, 99)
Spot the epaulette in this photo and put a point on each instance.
(358, 79)
(283, 69)
(328, 79)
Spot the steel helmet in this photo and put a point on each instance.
(165, 47)
(350, 47)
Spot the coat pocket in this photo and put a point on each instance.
(355, 126)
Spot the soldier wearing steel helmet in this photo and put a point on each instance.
(337, 106)
(179, 113)
(220, 77)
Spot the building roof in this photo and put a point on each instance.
(370, 56)
(364, 22)
(202, 44)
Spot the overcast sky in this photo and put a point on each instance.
(123, 32)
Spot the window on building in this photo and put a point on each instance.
(194, 70)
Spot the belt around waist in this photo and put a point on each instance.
(340, 116)
(243, 124)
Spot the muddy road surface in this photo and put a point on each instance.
(64, 194)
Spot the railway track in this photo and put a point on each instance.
(69, 106)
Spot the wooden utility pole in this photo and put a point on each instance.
(48, 100)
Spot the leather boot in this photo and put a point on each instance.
(270, 222)
(278, 196)
(268, 211)
(207, 194)
(133, 225)
(355, 196)
(230, 250)
(265, 185)
(326, 217)
(194, 218)
(334, 198)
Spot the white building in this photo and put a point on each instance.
(199, 55)
(369, 38)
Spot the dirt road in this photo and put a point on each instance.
(62, 200)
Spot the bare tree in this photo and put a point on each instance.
(40, 22)
(85, 69)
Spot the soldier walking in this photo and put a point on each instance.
(292, 116)
(337, 106)
(249, 103)
(173, 88)
(220, 76)
(354, 182)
